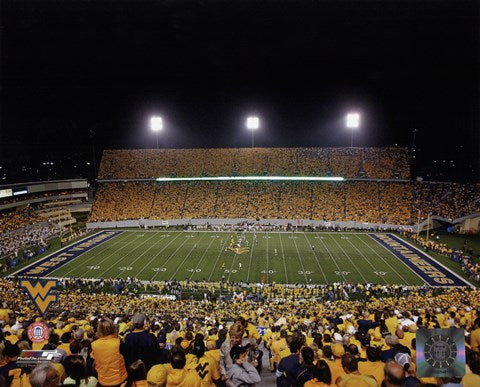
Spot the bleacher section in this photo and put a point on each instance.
(327, 323)
(360, 201)
(35, 220)
(373, 163)
(368, 196)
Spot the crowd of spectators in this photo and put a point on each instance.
(11, 243)
(122, 201)
(448, 200)
(114, 339)
(375, 163)
(14, 220)
(359, 201)
(32, 225)
(464, 256)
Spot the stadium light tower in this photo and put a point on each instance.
(352, 121)
(156, 125)
(252, 123)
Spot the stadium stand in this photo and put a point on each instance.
(32, 220)
(375, 163)
(374, 200)
(45, 196)
(13, 241)
(182, 339)
(186, 333)
(13, 220)
(449, 200)
(168, 201)
(361, 201)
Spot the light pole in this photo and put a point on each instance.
(156, 125)
(352, 121)
(252, 123)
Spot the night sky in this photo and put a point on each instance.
(70, 68)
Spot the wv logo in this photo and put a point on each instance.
(39, 294)
(239, 250)
(201, 371)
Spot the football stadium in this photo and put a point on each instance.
(295, 216)
(199, 194)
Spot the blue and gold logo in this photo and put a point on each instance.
(41, 295)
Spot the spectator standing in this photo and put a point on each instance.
(77, 372)
(475, 336)
(473, 379)
(406, 362)
(141, 344)
(241, 373)
(352, 375)
(137, 375)
(107, 352)
(286, 370)
(236, 337)
(322, 377)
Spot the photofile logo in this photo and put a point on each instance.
(41, 295)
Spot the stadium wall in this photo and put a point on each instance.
(468, 224)
(471, 225)
(148, 223)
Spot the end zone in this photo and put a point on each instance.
(52, 262)
(432, 272)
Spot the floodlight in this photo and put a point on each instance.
(353, 120)
(253, 123)
(156, 123)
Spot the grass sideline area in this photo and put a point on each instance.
(298, 258)
(54, 245)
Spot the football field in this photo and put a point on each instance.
(289, 257)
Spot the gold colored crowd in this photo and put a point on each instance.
(375, 163)
(119, 329)
(360, 201)
(13, 220)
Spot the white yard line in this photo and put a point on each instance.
(156, 255)
(301, 261)
(283, 257)
(409, 268)
(250, 263)
(266, 272)
(130, 252)
(153, 244)
(331, 256)
(405, 282)
(316, 258)
(186, 257)
(231, 267)
(355, 266)
(218, 256)
(94, 256)
(365, 258)
(170, 257)
(201, 259)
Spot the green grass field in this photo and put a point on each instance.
(315, 258)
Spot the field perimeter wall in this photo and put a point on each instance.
(148, 223)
